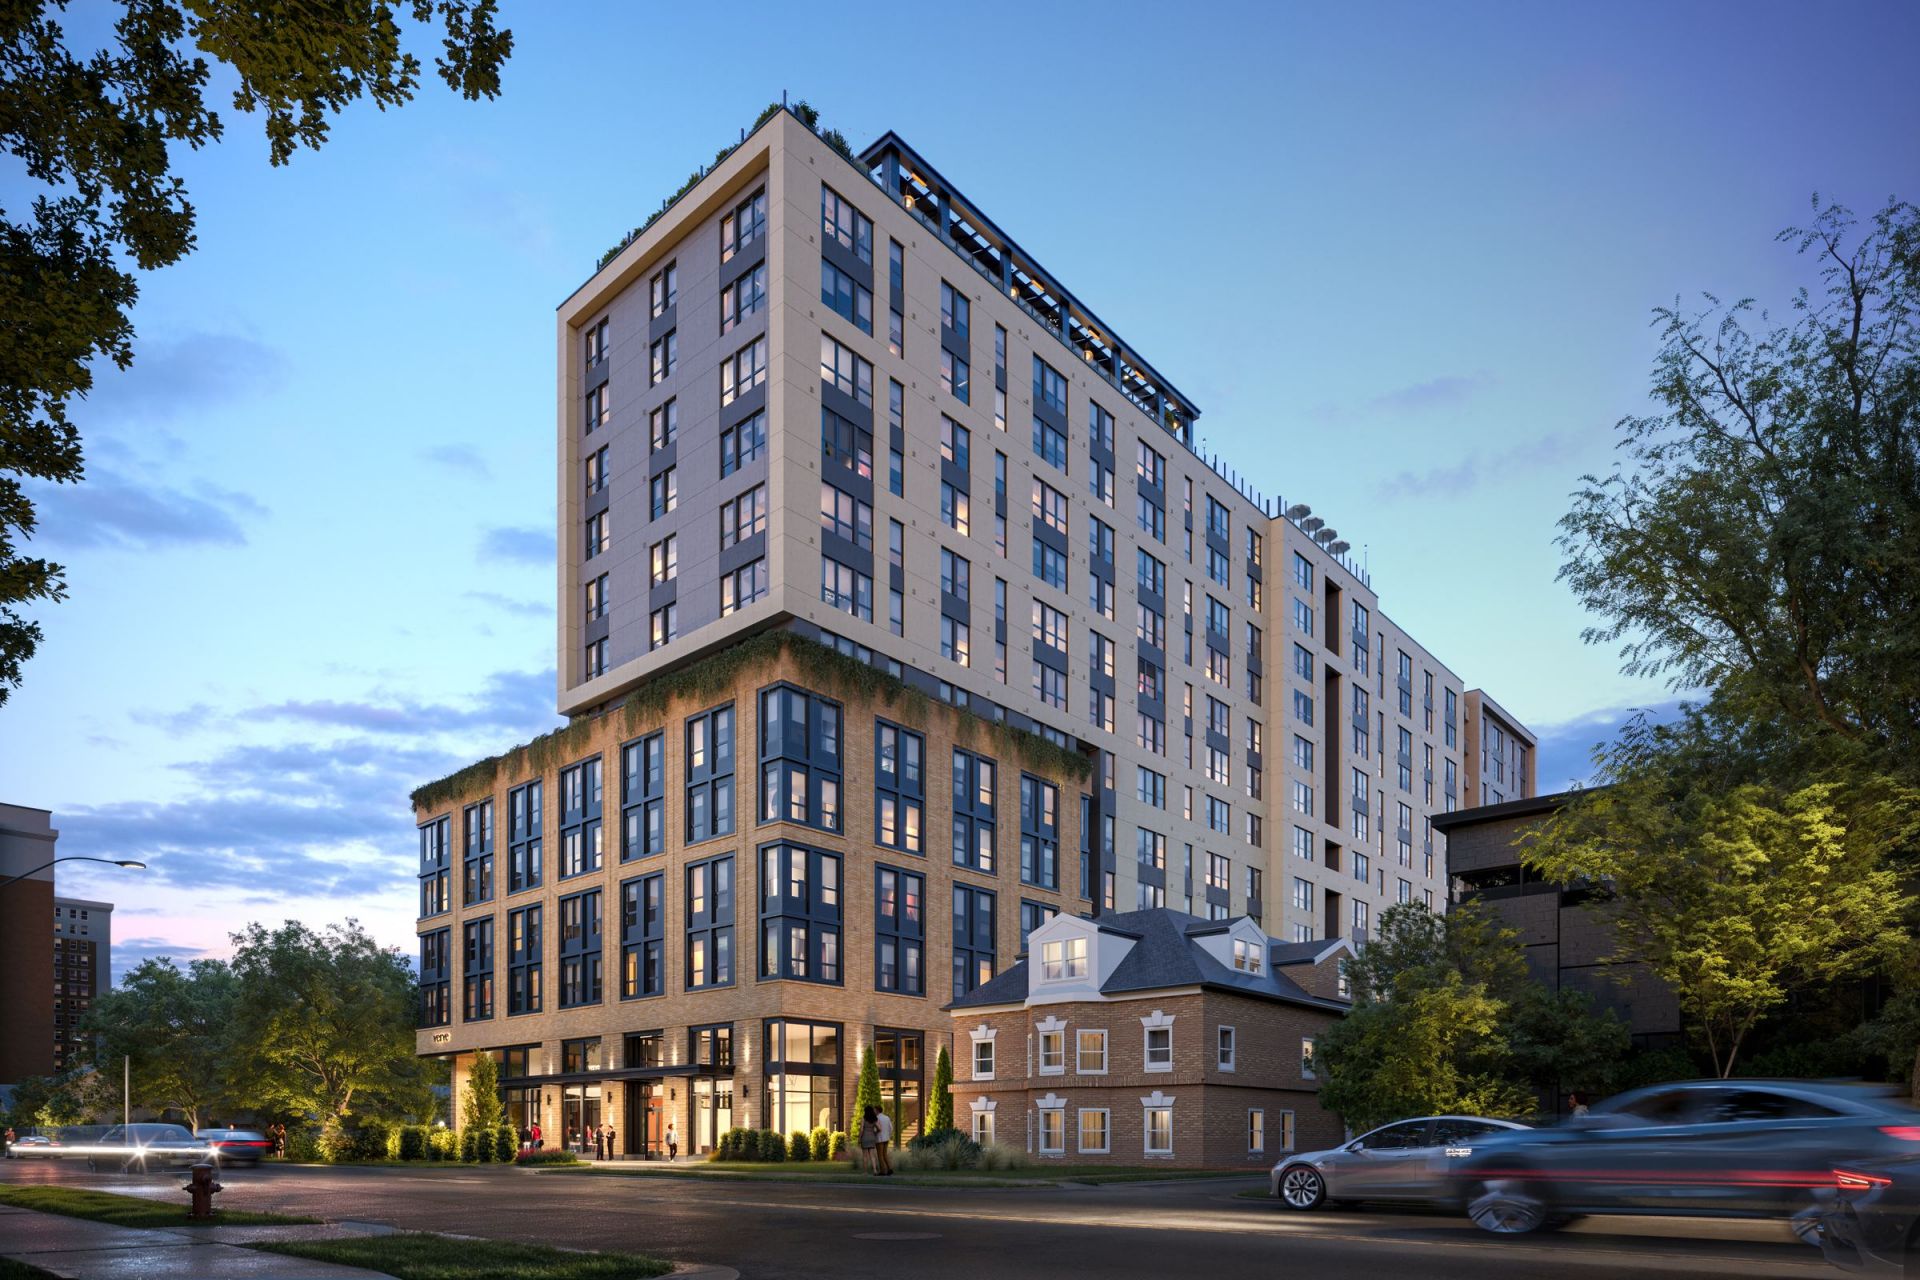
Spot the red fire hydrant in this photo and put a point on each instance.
(201, 1189)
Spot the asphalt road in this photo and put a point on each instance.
(769, 1231)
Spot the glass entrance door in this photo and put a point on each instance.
(712, 1112)
(646, 1121)
(579, 1115)
(898, 1055)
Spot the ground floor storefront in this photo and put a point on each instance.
(679, 1090)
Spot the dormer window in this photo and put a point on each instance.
(1246, 955)
(1066, 958)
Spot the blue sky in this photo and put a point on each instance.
(1402, 256)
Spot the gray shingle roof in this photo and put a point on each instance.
(1166, 955)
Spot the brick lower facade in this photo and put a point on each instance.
(703, 1098)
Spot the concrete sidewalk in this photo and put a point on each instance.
(76, 1249)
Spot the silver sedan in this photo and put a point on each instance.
(1405, 1161)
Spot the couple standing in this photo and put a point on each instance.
(876, 1133)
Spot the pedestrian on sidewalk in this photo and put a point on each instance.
(611, 1135)
(869, 1139)
(882, 1138)
(673, 1142)
(10, 1141)
(538, 1141)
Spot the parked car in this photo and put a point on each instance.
(35, 1146)
(136, 1148)
(1404, 1161)
(1868, 1219)
(1716, 1148)
(236, 1146)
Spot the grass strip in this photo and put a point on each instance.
(132, 1211)
(837, 1172)
(423, 1256)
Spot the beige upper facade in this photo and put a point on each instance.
(1256, 755)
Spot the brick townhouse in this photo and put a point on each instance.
(1150, 1036)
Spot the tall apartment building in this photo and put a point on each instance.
(27, 841)
(832, 395)
(82, 970)
(829, 442)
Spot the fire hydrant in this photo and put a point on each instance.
(201, 1189)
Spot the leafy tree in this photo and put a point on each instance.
(480, 1109)
(323, 1023)
(96, 130)
(1444, 1018)
(940, 1116)
(175, 1028)
(1761, 536)
(1733, 894)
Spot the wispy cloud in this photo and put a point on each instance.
(1447, 391)
(1477, 468)
(516, 701)
(1567, 747)
(110, 509)
(458, 457)
(517, 545)
(187, 374)
(518, 608)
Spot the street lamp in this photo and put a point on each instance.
(75, 857)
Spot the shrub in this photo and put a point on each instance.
(303, 1145)
(822, 1143)
(410, 1142)
(772, 1149)
(549, 1156)
(799, 1147)
(747, 1147)
(470, 1145)
(840, 1145)
(941, 1115)
(442, 1144)
(393, 1141)
(506, 1143)
(941, 1149)
(999, 1157)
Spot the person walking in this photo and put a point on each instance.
(11, 1139)
(869, 1137)
(673, 1142)
(882, 1137)
(534, 1129)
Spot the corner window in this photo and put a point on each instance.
(1226, 1056)
(983, 1059)
(1159, 1131)
(1306, 1057)
(1053, 1053)
(1159, 1049)
(1053, 1131)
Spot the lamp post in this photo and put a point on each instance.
(74, 857)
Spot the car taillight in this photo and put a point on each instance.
(1903, 1132)
(1850, 1183)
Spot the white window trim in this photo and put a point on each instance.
(1230, 1059)
(1079, 1134)
(1157, 1021)
(1284, 1129)
(1106, 1055)
(983, 1034)
(1253, 1131)
(1155, 1101)
(1055, 1105)
(1060, 1067)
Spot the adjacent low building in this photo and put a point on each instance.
(1151, 1036)
(1567, 935)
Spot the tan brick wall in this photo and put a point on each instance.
(1211, 1125)
(749, 1001)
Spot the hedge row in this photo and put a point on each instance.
(766, 1146)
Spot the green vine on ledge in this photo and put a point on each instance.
(818, 665)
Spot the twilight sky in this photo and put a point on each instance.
(1402, 256)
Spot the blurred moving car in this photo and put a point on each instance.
(1404, 1161)
(236, 1146)
(139, 1147)
(1868, 1220)
(1718, 1148)
(34, 1146)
